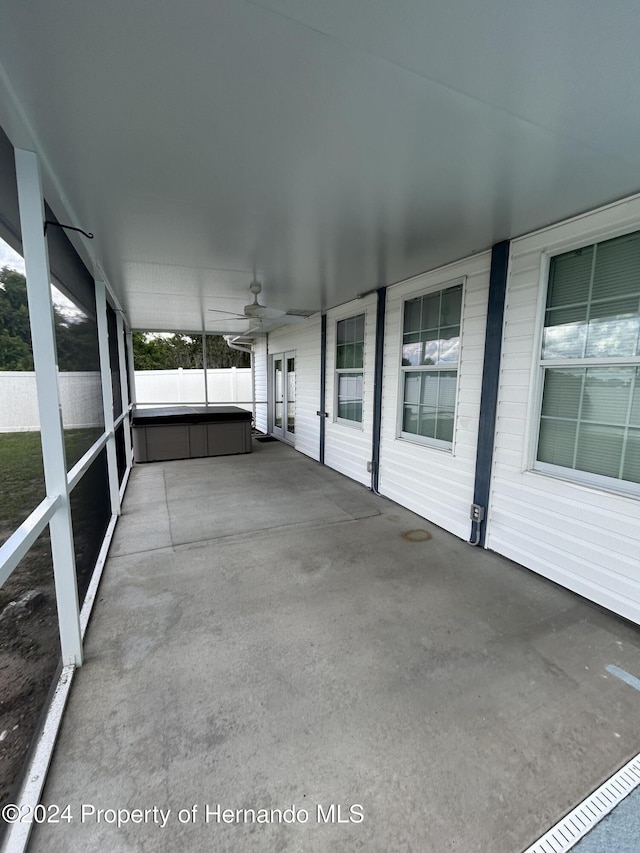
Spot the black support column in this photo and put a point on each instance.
(323, 383)
(377, 388)
(490, 381)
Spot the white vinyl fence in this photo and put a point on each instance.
(230, 385)
(80, 398)
(81, 394)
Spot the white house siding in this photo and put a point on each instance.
(583, 537)
(348, 447)
(304, 340)
(437, 484)
(260, 383)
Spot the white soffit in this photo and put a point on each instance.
(326, 147)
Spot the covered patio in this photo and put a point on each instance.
(270, 634)
(421, 221)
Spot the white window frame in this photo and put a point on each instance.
(413, 438)
(338, 371)
(540, 365)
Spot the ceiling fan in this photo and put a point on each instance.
(254, 310)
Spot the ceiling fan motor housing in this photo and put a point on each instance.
(254, 309)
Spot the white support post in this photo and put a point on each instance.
(124, 388)
(107, 396)
(132, 373)
(234, 384)
(204, 367)
(45, 359)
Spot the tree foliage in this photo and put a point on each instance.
(76, 342)
(76, 334)
(15, 334)
(151, 352)
(77, 339)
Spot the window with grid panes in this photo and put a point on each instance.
(349, 368)
(590, 416)
(430, 356)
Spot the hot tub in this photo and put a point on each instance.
(188, 432)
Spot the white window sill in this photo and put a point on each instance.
(585, 480)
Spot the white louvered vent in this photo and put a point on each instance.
(567, 832)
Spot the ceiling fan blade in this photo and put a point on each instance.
(273, 313)
(229, 313)
(257, 310)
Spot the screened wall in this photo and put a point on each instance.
(62, 477)
(29, 642)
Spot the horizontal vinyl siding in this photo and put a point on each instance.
(304, 340)
(260, 383)
(581, 536)
(434, 483)
(348, 448)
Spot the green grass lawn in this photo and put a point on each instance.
(22, 477)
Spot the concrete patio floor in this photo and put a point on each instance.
(270, 634)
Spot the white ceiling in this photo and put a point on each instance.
(329, 146)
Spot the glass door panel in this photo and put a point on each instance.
(278, 394)
(291, 394)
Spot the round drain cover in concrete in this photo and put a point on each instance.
(416, 535)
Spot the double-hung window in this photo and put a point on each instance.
(430, 356)
(349, 369)
(590, 416)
